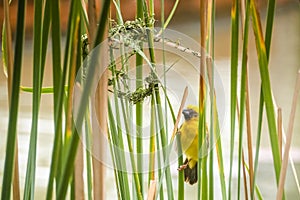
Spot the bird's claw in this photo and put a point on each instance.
(182, 167)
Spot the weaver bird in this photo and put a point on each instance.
(189, 143)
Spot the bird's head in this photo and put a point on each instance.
(190, 112)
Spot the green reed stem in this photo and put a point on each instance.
(163, 143)
(68, 163)
(233, 93)
(219, 150)
(116, 172)
(204, 179)
(152, 142)
(118, 152)
(14, 104)
(212, 105)
(258, 137)
(266, 87)
(139, 105)
(58, 90)
(159, 159)
(89, 178)
(59, 84)
(37, 82)
(243, 92)
(130, 148)
(150, 39)
(268, 37)
(121, 157)
(202, 101)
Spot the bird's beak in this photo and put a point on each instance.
(186, 114)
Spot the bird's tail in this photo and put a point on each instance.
(190, 175)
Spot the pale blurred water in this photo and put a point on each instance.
(284, 65)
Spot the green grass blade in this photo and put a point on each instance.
(204, 179)
(4, 50)
(269, 26)
(219, 151)
(130, 148)
(102, 23)
(88, 131)
(139, 106)
(14, 104)
(119, 158)
(45, 34)
(165, 25)
(243, 92)
(69, 150)
(163, 136)
(44, 90)
(59, 82)
(268, 37)
(58, 85)
(37, 82)
(159, 162)
(233, 90)
(70, 156)
(163, 143)
(152, 146)
(266, 87)
(121, 162)
(180, 173)
(211, 77)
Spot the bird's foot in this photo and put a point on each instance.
(182, 167)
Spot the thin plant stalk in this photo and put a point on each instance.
(279, 127)
(78, 172)
(249, 138)
(8, 64)
(152, 142)
(288, 140)
(159, 162)
(268, 39)
(258, 138)
(243, 91)
(152, 190)
(233, 90)
(210, 72)
(139, 105)
(58, 86)
(92, 20)
(266, 86)
(101, 113)
(130, 148)
(59, 83)
(123, 186)
(78, 164)
(37, 82)
(132, 159)
(163, 136)
(69, 106)
(88, 156)
(70, 153)
(202, 104)
(14, 104)
(123, 175)
(98, 169)
(163, 143)
(244, 175)
(217, 135)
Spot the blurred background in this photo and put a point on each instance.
(284, 64)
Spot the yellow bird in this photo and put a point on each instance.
(189, 143)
